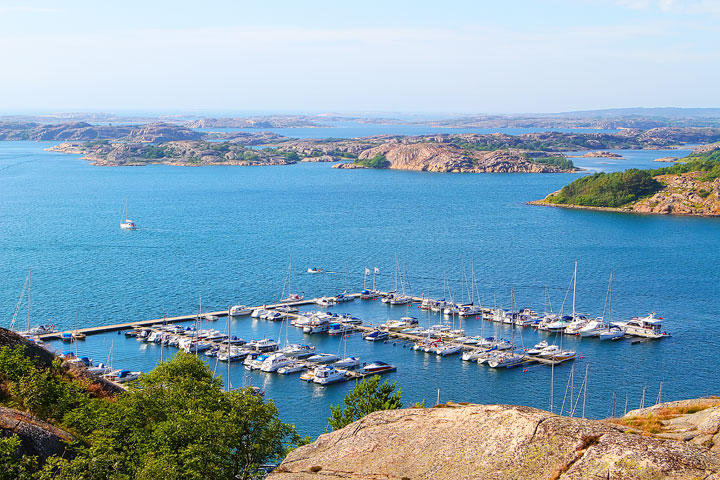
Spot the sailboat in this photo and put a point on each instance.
(612, 332)
(77, 334)
(292, 297)
(596, 327)
(126, 223)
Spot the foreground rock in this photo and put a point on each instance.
(37, 437)
(492, 442)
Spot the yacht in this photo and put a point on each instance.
(317, 325)
(239, 311)
(273, 362)
(323, 358)
(375, 336)
(347, 362)
(328, 374)
(593, 328)
(647, 327)
(298, 350)
(292, 367)
(378, 367)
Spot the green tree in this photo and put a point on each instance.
(12, 465)
(368, 396)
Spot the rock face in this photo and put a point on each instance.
(492, 442)
(683, 195)
(162, 132)
(437, 157)
(37, 437)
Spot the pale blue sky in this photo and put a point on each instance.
(382, 56)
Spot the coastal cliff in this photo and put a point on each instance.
(511, 442)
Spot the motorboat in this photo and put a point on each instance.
(376, 335)
(646, 327)
(287, 309)
(258, 312)
(469, 310)
(328, 374)
(99, 369)
(400, 300)
(317, 325)
(347, 362)
(378, 367)
(538, 348)
(239, 311)
(325, 302)
(474, 355)
(66, 337)
(264, 345)
(323, 358)
(339, 329)
(273, 362)
(314, 270)
(298, 350)
(447, 349)
(344, 297)
(574, 327)
(292, 367)
(122, 376)
(593, 328)
(254, 362)
(369, 294)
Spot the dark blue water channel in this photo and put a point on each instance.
(226, 234)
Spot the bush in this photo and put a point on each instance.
(378, 161)
(368, 396)
(559, 161)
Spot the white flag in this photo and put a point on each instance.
(377, 270)
(367, 271)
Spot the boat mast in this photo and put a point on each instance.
(29, 297)
(574, 285)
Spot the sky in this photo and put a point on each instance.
(452, 56)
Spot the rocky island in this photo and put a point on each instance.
(688, 188)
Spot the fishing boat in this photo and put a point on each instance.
(239, 311)
(323, 358)
(328, 374)
(274, 362)
(646, 327)
(375, 336)
(378, 367)
(126, 223)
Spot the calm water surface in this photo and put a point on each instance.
(226, 234)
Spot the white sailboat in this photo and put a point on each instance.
(292, 297)
(125, 222)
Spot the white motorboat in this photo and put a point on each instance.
(376, 335)
(100, 369)
(593, 328)
(347, 362)
(258, 313)
(273, 362)
(646, 327)
(292, 367)
(538, 348)
(323, 358)
(239, 311)
(298, 350)
(317, 325)
(122, 376)
(325, 302)
(469, 310)
(264, 345)
(574, 327)
(328, 374)
(447, 349)
(314, 270)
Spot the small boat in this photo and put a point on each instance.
(344, 297)
(259, 312)
(126, 223)
(323, 358)
(369, 294)
(317, 325)
(66, 337)
(469, 310)
(239, 311)
(378, 367)
(328, 374)
(254, 363)
(264, 345)
(314, 270)
(325, 301)
(308, 376)
(339, 329)
(100, 369)
(593, 328)
(274, 362)
(376, 335)
(347, 362)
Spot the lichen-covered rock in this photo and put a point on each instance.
(683, 194)
(492, 442)
(37, 437)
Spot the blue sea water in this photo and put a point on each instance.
(227, 233)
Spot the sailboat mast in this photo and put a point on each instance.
(574, 285)
(29, 297)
